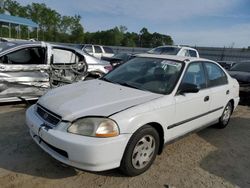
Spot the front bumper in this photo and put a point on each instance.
(87, 153)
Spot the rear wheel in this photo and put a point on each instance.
(226, 115)
(141, 151)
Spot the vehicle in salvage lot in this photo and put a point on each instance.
(175, 50)
(29, 69)
(241, 72)
(97, 51)
(141, 105)
(119, 58)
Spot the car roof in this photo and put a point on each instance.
(14, 44)
(173, 57)
(177, 46)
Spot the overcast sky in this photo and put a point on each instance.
(190, 22)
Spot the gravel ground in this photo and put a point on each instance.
(209, 158)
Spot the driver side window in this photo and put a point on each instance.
(26, 56)
(195, 75)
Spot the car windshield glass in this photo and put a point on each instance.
(6, 45)
(165, 50)
(242, 67)
(148, 74)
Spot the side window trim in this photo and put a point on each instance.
(207, 75)
(204, 71)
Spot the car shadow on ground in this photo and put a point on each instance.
(20, 154)
(231, 159)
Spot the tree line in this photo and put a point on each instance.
(55, 27)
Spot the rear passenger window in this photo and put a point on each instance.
(192, 53)
(195, 75)
(108, 50)
(216, 75)
(98, 49)
(63, 56)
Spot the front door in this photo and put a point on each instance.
(191, 108)
(23, 73)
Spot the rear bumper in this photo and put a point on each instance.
(87, 153)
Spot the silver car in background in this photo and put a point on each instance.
(29, 69)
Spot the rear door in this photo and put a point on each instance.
(67, 66)
(23, 72)
(220, 90)
(191, 108)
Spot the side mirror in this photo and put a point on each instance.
(188, 88)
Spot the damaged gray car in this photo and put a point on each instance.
(29, 69)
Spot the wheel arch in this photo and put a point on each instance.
(158, 127)
(232, 102)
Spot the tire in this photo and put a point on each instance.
(140, 152)
(225, 117)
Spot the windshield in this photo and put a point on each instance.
(242, 67)
(165, 50)
(148, 74)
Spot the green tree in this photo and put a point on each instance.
(52, 25)
(56, 27)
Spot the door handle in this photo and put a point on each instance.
(227, 92)
(206, 99)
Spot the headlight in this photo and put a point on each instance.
(94, 126)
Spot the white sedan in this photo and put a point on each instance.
(124, 118)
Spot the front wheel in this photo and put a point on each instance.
(226, 115)
(141, 151)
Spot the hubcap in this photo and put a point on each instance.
(143, 152)
(227, 114)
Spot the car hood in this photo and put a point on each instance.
(240, 76)
(93, 98)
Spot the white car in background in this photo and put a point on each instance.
(175, 50)
(97, 50)
(124, 118)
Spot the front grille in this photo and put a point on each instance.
(48, 116)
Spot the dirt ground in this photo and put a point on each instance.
(209, 158)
